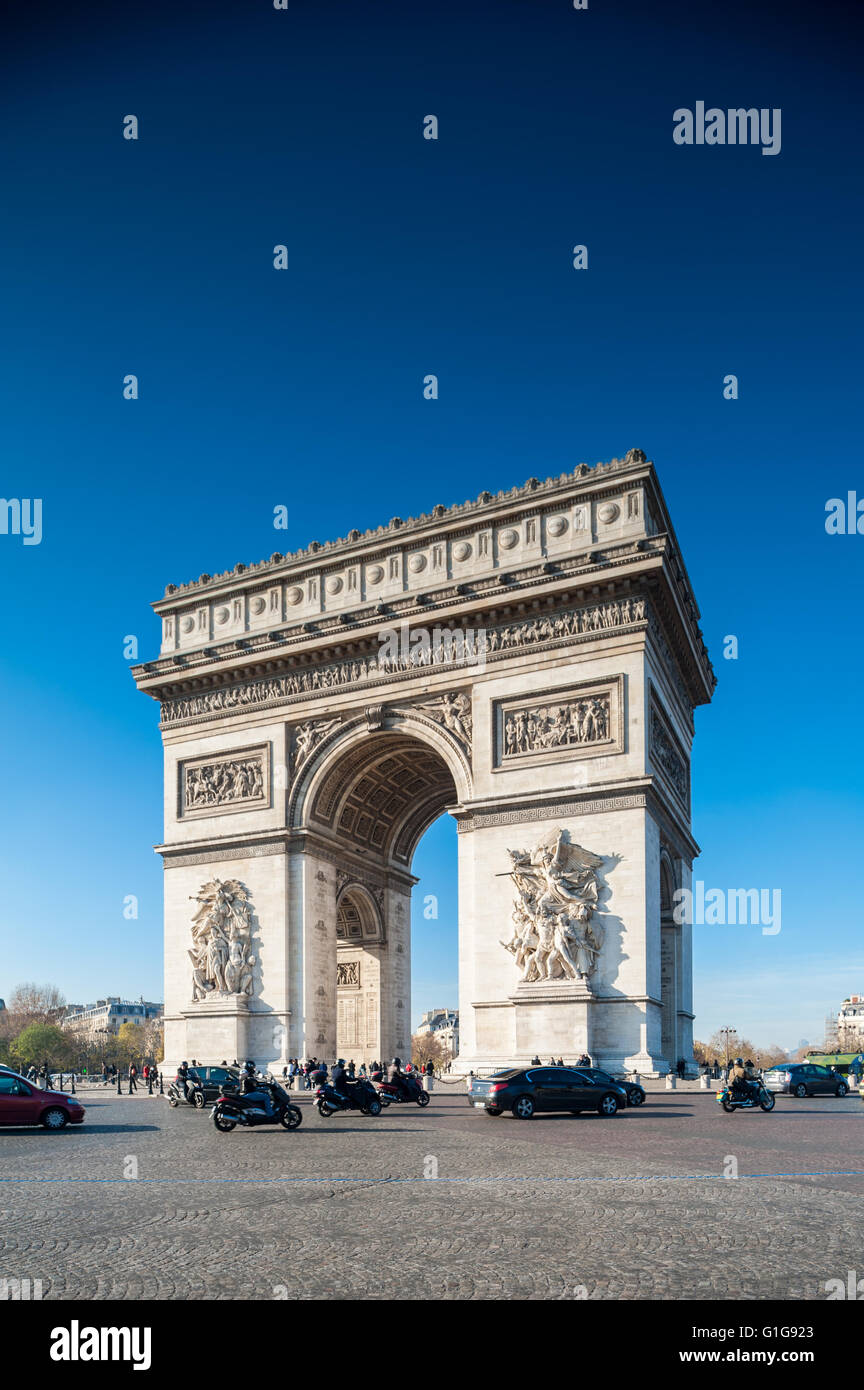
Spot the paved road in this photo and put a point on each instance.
(626, 1208)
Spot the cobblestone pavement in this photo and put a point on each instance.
(626, 1208)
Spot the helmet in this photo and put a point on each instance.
(184, 1064)
(397, 1061)
(340, 1062)
(739, 1062)
(249, 1066)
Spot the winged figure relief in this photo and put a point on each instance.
(554, 936)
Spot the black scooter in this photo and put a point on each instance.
(234, 1109)
(359, 1095)
(194, 1092)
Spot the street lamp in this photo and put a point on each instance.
(727, 1033)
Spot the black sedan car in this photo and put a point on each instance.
(635, 1092)
(525, 1091)
(213, 1079)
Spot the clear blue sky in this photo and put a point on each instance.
(303, 388)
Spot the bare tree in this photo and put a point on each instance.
(31, 1003)
(425, 1047)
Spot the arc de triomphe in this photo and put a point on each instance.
(528, 662)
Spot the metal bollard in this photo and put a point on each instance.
(73, 1084)
(119, 1087)
(161, 1092)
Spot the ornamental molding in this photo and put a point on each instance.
(399, 532)
(521, 814)
(573, 625)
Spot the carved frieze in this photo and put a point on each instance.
(235, 781)
(484, 645)
(576, 721)
(347, 973)
(668, 756)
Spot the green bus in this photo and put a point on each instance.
(840, 1060)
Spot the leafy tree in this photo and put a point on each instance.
(130, 1042)
(43, 1042)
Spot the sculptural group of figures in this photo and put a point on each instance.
(215, 783)
(556, 894)
(474, 646)
(221, 933)
(582, 721)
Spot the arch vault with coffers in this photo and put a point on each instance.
(528, 662)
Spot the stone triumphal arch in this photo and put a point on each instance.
(528, 662)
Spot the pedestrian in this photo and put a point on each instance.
(133, 1073)
(682, 1067)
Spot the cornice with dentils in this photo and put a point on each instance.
(487, 502)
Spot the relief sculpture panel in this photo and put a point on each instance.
(237, 781)
(577, 721)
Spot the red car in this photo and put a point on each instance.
(22, 1103)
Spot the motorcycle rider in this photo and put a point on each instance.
(251, 1088)
(183, 1078)
(737, 1079)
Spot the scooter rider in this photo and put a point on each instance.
(395, 1077)
(252, 1088)
(183, 1078)
(339, 1080)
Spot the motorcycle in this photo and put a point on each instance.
(359, 1095)
(232, 1109)
(410, 1091)
(756, 1096)
(194, 1093)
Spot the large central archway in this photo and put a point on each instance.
(369, 795)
